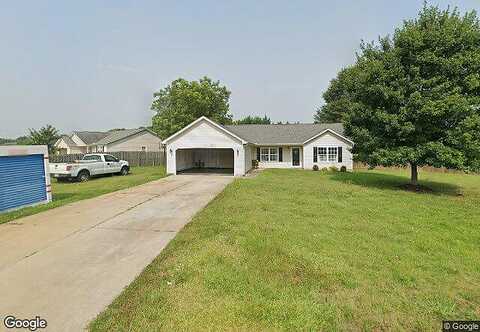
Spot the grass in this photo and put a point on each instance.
(64, 193)
(303, 250)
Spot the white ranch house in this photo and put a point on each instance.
(205, 146)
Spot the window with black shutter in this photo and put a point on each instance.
(258, 154)
(340, 154)
(280, 154)
(314, 154)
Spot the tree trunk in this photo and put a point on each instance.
(414, 174)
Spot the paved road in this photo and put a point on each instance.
(67, 264)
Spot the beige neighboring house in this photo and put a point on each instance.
(140, 139)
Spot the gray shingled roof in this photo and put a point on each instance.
(281, 133)
(90, 137)
(68, 140)
(118, 135)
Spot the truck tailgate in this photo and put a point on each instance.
(59, 168)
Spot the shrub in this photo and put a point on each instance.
(315, 167)
(255, 164)
(343, 169)
(333, 169)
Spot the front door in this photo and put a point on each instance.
(296, 156)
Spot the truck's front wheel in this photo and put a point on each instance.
(83, 176)
(124, 170)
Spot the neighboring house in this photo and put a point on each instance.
(206, 144)
(140, 139)
(85, 140)
(65, 145)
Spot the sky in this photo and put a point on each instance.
(94, 65)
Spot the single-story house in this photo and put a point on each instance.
(206, 145)
(139, 139)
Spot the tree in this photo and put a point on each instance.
(182, 102)
(339, 97)
(417, 96)
(6, 141)
(47, 135)
(23, 140)
(253, 120)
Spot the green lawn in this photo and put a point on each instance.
(303, 250)
(64, 193)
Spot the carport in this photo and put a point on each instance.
(205, 160)
(206, 147)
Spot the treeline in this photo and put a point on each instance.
(22, 140)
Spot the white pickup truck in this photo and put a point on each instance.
(90, 165)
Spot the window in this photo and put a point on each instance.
(95, 157)
(268, 154)
(273, 154)
(110, 158)
(332, 154)
(322, 154)
(264, 155)
(144, 148)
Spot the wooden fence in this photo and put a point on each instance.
(135, 158)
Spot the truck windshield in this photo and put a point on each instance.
(92, 157)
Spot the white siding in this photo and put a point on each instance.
(204, 135)
(328, 140)
(151, 142)
(286, 158)
(61, 145)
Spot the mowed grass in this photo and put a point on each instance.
(303, 250)
(64, 193)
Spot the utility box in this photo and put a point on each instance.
(24, 176)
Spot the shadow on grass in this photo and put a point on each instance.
(393, 182)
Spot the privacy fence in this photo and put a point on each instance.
(135, 158)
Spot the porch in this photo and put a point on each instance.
(282, 156)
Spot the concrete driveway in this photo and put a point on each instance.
(67, 264)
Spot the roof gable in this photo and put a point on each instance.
(334, 133)
(67, 140)
(206, 120)
(90, 137)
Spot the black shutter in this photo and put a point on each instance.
(314, 154)
(258, 154)
(280, 154)
(340, 156)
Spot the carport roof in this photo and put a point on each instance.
(283, 133)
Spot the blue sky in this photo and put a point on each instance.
(93, 65)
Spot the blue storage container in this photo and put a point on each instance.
(23, 178)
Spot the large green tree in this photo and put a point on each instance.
(182, 102)
(417, 95)
(339, 97)
(46, 135)
(253, 120)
